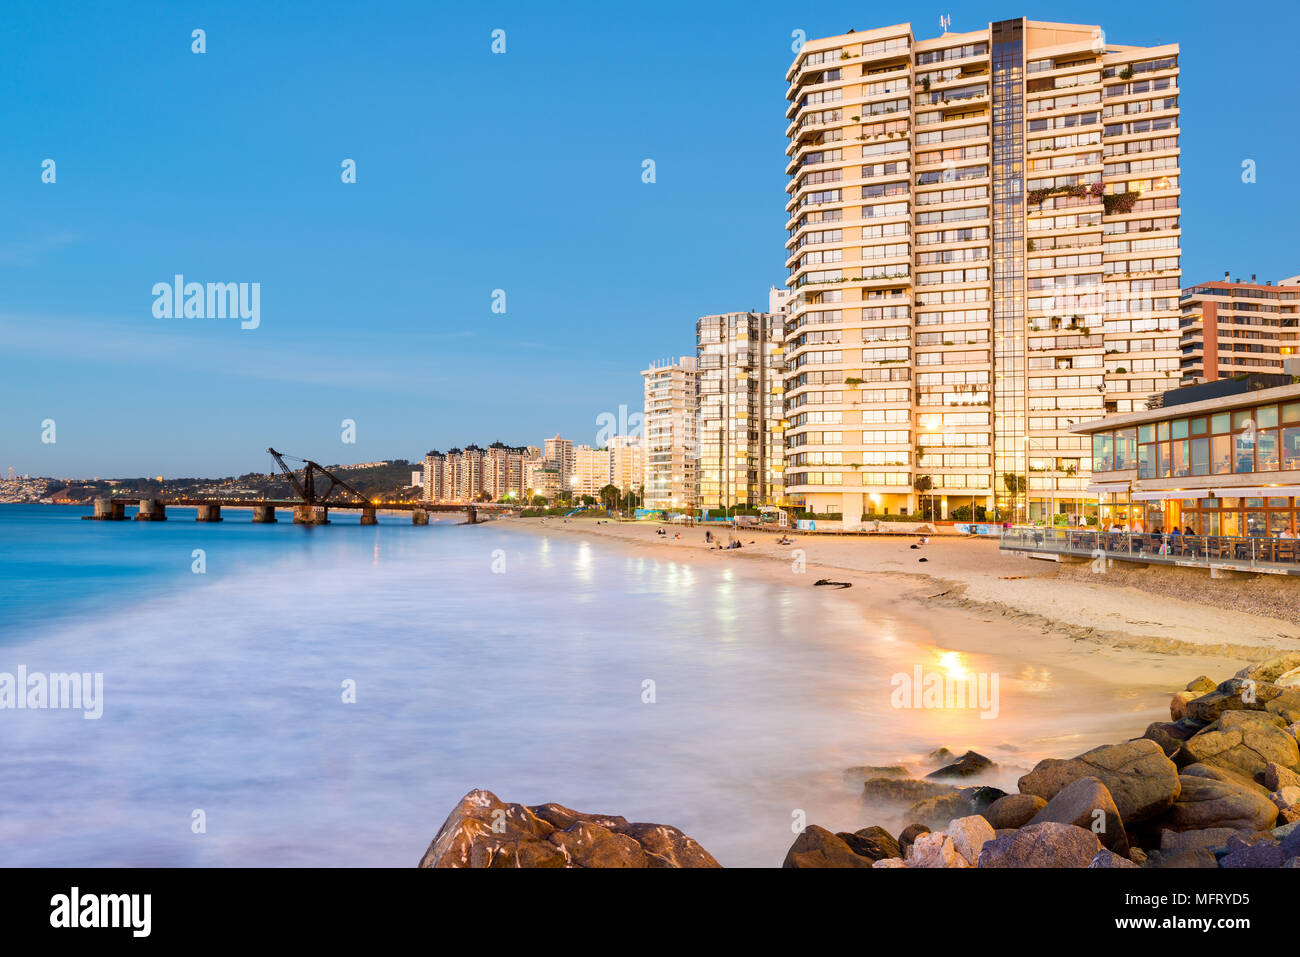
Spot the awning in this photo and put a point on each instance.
(1107, 487)
(1244, 491)
(1170, 493)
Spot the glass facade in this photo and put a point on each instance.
(1010, 439)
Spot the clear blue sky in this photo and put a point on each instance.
(475, 172)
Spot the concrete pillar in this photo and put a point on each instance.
(263, 514)
(310, 515)
(151, 510)
(472, 515)
(419, 517)
(107, 510)
(208, 513)
(368, 517)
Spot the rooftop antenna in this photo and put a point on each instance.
(944, 22)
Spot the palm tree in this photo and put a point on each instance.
(923, 484)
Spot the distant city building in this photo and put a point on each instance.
(593, 470)
(627, 462)
(472, 473)
(1237, 328)
(671, 412)
(559, 455)
(741, 395)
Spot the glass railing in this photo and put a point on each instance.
(1248, 551)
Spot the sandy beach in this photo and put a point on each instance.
(1157, 610)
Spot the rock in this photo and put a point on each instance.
(1252, 854)
(1178, 704)
(1287, 800)
(910, 834)
(1170, 735)
(935, 849)
(1294, 862)
(1216, 773)
(1107, 858)
(1142, 781)
(484, 831)
(1272, 668)
(1200, 685)
(1137, 856)
(1205, 802)
(936, 812)
(1171, 842)
(873, 842)
(1244, 746)
(1086, 803)
(1235, 694)
(1286, 705)
(893, 791)
(1042, 845)
(1014, 810)
(969, 835)
(940, 756)
(1192, 857)
(968, 764)
(890, 862)
(860, 775)
(818, 847)
(1240, 719)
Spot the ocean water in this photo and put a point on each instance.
(482, 656)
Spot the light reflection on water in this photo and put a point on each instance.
(223, 693)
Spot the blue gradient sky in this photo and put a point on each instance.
(475, 172)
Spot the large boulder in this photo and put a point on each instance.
(1014, 810)
(871, 842)
(1170, 735)
(1274, 669)
(1107, 858)
(935, 849)
(1172, 842)
(936, 812)
(888, 790)
(1208, 802)
(969, 835)
(1142, 781)
(817, 847)
(1245, 745)
(484, 831)
(1086, 803)
(968, 764)
(1042, 845)
(1235, 694)
(1277, 777)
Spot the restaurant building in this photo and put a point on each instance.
(1220, 459)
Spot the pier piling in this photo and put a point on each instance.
(107, 510)
(207, 513)
(419, 517)
(368, 517)
(151, 510)
(264, 514)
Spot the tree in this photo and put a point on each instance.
(609, 496)
(923, 484)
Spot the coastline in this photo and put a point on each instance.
(973, 577)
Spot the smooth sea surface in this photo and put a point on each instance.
(223, 691)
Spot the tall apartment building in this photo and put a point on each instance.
(503, 471)
(983, 250)
(592, 470)
(1236, 328)
(627, 462)
(559, 454)
(671, 409)
(464, 475)
(740, 358)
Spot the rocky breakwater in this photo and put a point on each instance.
(1218, 785)
(484, 831)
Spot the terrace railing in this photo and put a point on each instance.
(1247, 553)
